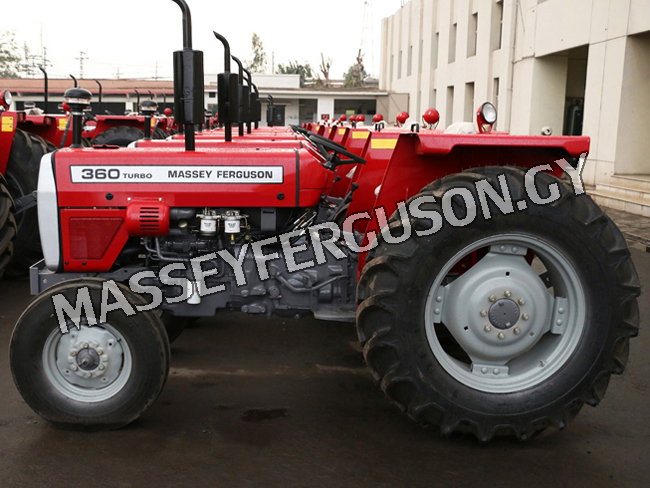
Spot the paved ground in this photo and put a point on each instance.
(252, 402)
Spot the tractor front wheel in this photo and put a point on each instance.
(100, 375)
(504, 326)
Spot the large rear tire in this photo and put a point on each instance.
(23, 166)
(504, 326)
(7, 226)
(122, 136)
(103, 375)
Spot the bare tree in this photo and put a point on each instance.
(325, 70)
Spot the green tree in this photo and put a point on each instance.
(11, 65)
(356, 73)
(259, 64)
(296, 68)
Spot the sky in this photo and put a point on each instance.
(138, 36)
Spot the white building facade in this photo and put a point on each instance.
(577, 66)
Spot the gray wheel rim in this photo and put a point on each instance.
(516, 333)
(90, 364)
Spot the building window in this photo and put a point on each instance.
(399, 65)
(420, 56)
(449, 112)
(409, 66)
(212, 94)
(472, 35)
(434, 50)
(496, 32)
(452, 43)
(469, 102)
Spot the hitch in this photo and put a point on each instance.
(25, 202)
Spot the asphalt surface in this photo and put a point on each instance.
(257, 402)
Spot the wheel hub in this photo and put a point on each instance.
(504, 314)
(88, 359)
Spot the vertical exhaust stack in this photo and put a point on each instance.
(46, 92)
(270, 111)
(99, 101)
(188, 81)
(244, 92)
(75, 81)
(251, 101)
(227, 92)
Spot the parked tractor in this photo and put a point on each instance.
(490, 297)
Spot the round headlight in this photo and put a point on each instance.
(6, 99)
(489, 113)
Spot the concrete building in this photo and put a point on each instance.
(300, 104)
(578, 66)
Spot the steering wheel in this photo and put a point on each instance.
(329, 145)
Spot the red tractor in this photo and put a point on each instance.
(490, 297)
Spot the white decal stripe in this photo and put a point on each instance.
(176, 174)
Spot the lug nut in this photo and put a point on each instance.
(560, 310)
(438, 299)
(100, 351)
(101, 367)
(483, 313)
(437, 311)
(507, 294)
(502, 248)
(558, 322)
(521, 301)
(487, 328)
(492, 298)
(525, 316)
(484, 370)
(501, 335)
(85, 346)
(515, 249)
(88, 375)
(516, 330)
(496, 371)
(74, 367)
(73, 353)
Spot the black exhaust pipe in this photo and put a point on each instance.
(99, 102)
(243, 96)
(45, 89)
(188, 81)
(227, 92)
(251, 103)
(75, 81)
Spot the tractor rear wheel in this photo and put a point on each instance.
(504, 326)
(122, 136)
(23, 166)
(100, 375)
(7, 226)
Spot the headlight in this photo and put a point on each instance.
(489, 113)
(6, 99)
